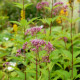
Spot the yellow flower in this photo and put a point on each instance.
(22, 14)
(58, 20)
(12, 39)
(63, 12)
(78, 0)
(15, 27)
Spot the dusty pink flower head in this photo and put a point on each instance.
(41, 5)
(33, 30)
(38, 42)
(18, 52)
(24, 45)
(65, 39)
(59, 7)
(6, 64)
(58, 3)
(49, 47)
(45, 59)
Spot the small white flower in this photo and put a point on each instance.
(10, 68)
(13, 64)
(41, 26)
(5, 38)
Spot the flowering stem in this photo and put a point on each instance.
(49, 73)
(48, 69)
(51, 16)
(61, 24)
(36, 68)
(25, 75)
(72, 40)
(36, 65)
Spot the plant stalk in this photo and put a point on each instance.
(37, 55)
(25, 76)
(36, 68)
(51, 16)
(72, 40)
(24, 18)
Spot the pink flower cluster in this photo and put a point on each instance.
(18, 52)
(41, 5)
(33, 30)
(58, 3)
(6, 64)
(59, 7)
(24, 45)
(49, 47)
(45, 59)
(65, 39)
(38, 43)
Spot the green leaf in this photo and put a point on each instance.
(21, 74)
(16, 22)
(27, 5)
(23, 22)
(31, 21)
(4, 54)
(19, 5)
(78, 76)
(48, 8)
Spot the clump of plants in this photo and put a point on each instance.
(39, 53)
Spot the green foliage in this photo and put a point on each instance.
(60, 65)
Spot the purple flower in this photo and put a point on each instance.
(19, 51)
(6, 64)
(24, 46)
(33, 30)
(17, 54)
(59, 7)
(41, 5)
(38, 42)
(65, 39)
(49, 47)
(54, 13)
(34, 49)
(58, 3)
(65, 6)
(45, 59)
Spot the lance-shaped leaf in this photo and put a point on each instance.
(27, 5)
(23, 22)
(16, 22)
(31, 21)
(19, 5)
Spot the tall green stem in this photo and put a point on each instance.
(51, 16)
(24, 18)
(24, 29)
(72, 40)
(37, 65)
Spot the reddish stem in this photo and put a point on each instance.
(25, 75)
(37, 64)
(72, 40)
(36, 70)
